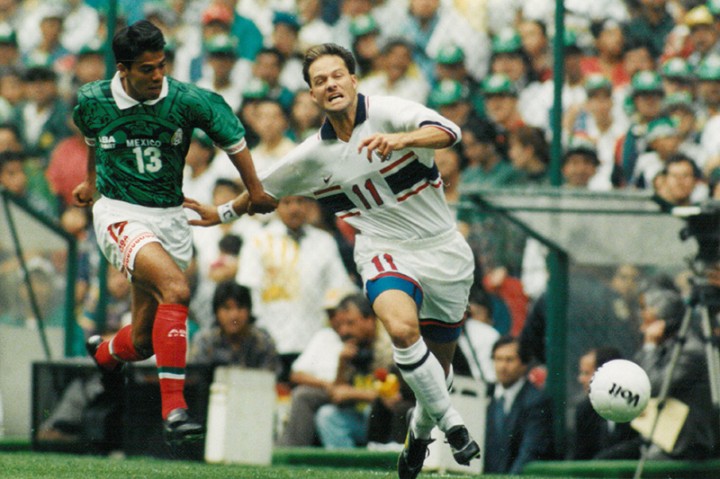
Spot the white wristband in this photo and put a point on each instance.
(226, 212)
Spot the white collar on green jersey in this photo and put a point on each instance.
(125, 101)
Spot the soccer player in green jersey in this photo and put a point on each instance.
(139, 126)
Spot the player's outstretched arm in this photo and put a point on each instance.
(211, 215)
(386, 143)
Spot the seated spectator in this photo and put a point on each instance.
(519, 416)
(271, 123)
(663, 310)
(311, 376)
(234, 339)
(474, 354)
(663, 141)
(398, 75)
(530, 155)
(68, 165)
(290, 266)
(305, 117)
(679, 183)
(601, 120)
(14, 179)
(593, 434)
(343, 422)
(486, 165)
(608, 62)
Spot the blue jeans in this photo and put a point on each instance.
(341, 426)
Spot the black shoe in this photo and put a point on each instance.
(91, 345)
(179, 428)
(464, 448)
(412, 457)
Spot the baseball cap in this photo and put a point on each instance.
(597, 82)
(450, 55)
(498, 84)
(7, 35)
(714, 6)
(662, 127)
(507, 40)
(676, 68)
(256, 90)
(680, 99)
(363, 25)
(94, 47)
(582, 144)
(698, 16)
(447, 92)
(709, 68)
(287, 19)
(222, 45)
(646, 81)
(218, 13)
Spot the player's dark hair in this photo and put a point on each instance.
(325, 49)
(134, 40)
(231, 290)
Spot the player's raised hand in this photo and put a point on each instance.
(208, 213)
(84, 193)
(382, 143)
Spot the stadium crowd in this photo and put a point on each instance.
(641, 111)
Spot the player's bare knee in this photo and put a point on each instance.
(176, 291)
(404, 334)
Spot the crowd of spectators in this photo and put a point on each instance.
(641, 110)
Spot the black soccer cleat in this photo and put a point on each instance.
(464, 448)
(412, 457)
(91, 345)
(179, 428)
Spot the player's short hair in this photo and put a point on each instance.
(325, 49)
(134, 40)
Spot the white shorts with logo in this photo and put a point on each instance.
(441, 266)
(123, 228)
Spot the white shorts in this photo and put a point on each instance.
(442, 267)
(123, 228)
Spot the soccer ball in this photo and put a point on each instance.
(619, 390)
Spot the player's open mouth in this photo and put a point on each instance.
(334, 97)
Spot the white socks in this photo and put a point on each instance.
(425, 376)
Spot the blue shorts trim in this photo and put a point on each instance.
(441, 332)
(383, 283)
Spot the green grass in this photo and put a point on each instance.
(33, 465)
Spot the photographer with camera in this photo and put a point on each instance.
(343, 422)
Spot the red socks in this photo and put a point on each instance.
(119, 349)
(169, 337)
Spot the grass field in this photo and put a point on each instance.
(33, 465)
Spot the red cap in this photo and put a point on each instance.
(217, 13)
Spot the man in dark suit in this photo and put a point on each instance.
(519, 417)
(594, 436)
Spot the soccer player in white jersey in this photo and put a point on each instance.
(372, 164)
(139, 126)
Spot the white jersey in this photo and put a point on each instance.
(399, 197)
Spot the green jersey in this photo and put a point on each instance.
(141, 147)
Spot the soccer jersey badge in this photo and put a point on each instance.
(177, 137)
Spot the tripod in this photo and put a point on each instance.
(702, 298)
